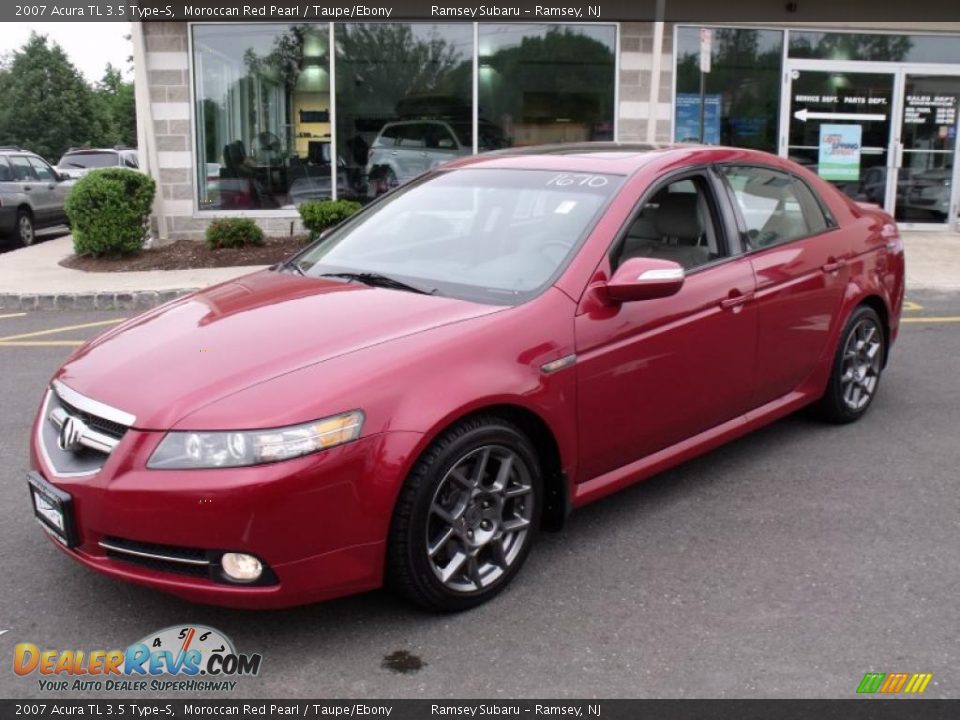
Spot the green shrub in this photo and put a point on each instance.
(233, 233)
(109, 211)
(318, 215)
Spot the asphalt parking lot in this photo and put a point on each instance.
(786, 564)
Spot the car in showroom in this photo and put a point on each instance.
(418, 393)
(32, 195)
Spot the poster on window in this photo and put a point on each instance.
(687, 118)
(840, 152)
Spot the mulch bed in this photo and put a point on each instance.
(188, 254)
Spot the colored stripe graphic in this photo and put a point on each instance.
(892, 683)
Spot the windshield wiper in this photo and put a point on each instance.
(378, 280)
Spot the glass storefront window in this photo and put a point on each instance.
(262, 115)
(272, 132)
(404, 102)
(879, 47)
(742, 89)
(545, 84)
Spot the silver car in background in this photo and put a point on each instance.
(32, 195)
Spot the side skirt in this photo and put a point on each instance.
(644, 468)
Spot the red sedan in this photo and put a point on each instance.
(413, 397)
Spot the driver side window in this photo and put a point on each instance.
(677, 222)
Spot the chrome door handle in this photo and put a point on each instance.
(734, 302)
(833, 265)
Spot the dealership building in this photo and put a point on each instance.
(250, 119)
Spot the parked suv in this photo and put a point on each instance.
(404, 149)
(76, 163)
(32, 194)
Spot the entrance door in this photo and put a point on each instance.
(925, 184)
(840, 124)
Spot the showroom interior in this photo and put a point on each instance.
(253, 118)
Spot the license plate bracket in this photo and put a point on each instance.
(53, 508)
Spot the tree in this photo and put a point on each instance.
(47, 105)
(118, 107)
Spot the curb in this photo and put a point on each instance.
(139, 300)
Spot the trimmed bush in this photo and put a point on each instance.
(318, 215)
(109, 211)
(233, 233)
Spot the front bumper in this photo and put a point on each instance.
(319, 522)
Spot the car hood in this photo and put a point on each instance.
(169, 362)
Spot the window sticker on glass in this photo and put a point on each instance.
(565, 207)
(577, 179)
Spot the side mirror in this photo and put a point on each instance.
(645, 279)
(61, 176)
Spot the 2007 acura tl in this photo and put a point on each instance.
(411, 398)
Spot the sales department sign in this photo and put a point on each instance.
(180, 658)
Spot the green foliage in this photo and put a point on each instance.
(233, 233)
(49, 107)
(109, 211)
(116, 99)
(318, 215)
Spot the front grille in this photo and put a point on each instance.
(164, 558)
(107, 427)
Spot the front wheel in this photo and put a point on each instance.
(466, 517)
(856, 368)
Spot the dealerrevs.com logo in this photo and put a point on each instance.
(187, 658)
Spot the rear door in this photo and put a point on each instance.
(54, 192)
(800, 259)
(652, 373)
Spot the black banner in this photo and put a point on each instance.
(853, 709)
(776, 11)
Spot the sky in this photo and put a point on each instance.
(89, 45)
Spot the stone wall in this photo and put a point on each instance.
(636, 70)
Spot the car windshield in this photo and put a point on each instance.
(488, 235)
(88, 160)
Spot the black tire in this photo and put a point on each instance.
(849, 364)
(24, 230)
(485, 441)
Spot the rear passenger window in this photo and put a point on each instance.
(776, 207)
(6, 175)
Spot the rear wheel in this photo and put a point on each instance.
(466, 517)
(26, 234)
(856, 368)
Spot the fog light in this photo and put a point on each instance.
(241, 567)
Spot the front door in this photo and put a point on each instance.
(925, 185)
(840, 124)
(654, 372)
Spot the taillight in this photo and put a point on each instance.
(891, 233)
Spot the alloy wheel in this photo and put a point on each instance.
(480, 518)
(25, 229)
(861, 364)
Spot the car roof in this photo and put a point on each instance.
(617, 158)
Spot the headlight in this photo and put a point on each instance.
(184, 450)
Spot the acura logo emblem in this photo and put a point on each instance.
(71, 433)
